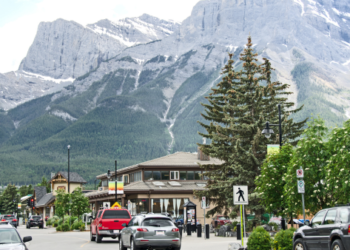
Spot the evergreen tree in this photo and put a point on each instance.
(45, 183)
(238, 108)
(9, 200)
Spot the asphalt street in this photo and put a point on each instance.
(50, 239)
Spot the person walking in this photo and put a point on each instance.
(241, 193)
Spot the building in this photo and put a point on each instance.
(45, 202)
(159, 185)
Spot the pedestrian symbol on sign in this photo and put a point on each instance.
(240, 195)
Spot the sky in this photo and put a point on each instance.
(19, 19)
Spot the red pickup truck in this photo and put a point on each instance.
(108, 223)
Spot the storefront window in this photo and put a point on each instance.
(197, 175)
(173, 206)
(165, 175)
(190, 175)
(183, 175)
(156, 175)
(148, 175)
(104, 183)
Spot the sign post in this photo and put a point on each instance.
(301, 188)
(204, 205)
(240, 197)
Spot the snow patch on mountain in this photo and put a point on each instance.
(44, 78)
(65, 116)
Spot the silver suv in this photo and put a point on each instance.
(151, 230)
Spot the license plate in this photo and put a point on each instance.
(116, 231)
(159, 232)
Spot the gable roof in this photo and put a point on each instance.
(45, 200)
(73, 177)
(39, 192)
(178, 159)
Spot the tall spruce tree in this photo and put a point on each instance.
(238, 108)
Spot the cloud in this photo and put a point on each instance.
(18, 35)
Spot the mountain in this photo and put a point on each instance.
(64, 50)
(144, 102)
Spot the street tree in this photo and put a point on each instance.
(271, 181)
(79, 203)
(338, 168)
(312, 154)
(9, 200)
(237, 111)
(62, 204)
(45, 183)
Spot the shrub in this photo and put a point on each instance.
(273, 225)
(283, 240)
(65, 227)
(48, 223)
(59, 222)
(259, 240)
(59, 228)
(82, 227)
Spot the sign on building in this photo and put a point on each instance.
(240, 195)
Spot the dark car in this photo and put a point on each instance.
(10, 238)
(35, 221)
(10, 218)
(329, 229)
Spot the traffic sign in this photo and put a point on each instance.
(240, 195)
(204, 202)
(300, 173)
(301, 187)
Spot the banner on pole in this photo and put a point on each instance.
(273, 149)
(19, 206)
(120, 187)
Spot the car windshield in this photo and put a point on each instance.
(116, 214)
(222, 218)
(36, 217)
(9, 217)
(9, 236)
(157, 222)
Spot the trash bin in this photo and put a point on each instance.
(239, 236)
(216, 224)
(207, 232)
(188, 226)
(283, 224)
(193, 227)
(199, 230)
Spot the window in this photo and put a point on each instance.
(148, 175)
(9, 236)
(135, 177)
(157, 222)
(165, 175)
(205, 177)
(126, 179)
(317, 220)
(183, 175)
(116, 214)
(197, 175)
(174, 175)
(156, 175)
(330, 217)
(190, 175)
(61, 188)
(105, 183)
(99, 214)
(344, 215)
(120, 178)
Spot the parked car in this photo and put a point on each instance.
(329, 229)
(221, 220)
(108, 223)
(150, 231)
(10, 238)
(35, 221)
(10, 218)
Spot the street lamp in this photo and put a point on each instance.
(267, 131)
(68, 167)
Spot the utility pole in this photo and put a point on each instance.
(115, 181)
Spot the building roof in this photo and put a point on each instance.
(165, 186)
(39, 192)
(45, 200)
(73, 177)
(178, 159)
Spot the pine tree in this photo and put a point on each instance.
(238, 108)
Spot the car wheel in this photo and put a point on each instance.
(176, 248)
(337, 245)
(121, 246)
(92, 237)
(132, 245)
(98, 237)
(299, 245)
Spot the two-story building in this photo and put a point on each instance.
(160, 185)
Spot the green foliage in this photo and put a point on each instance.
(9, 200)
(237, 111)
(62, 204)
(25, 190)
(59, 228)
(82, 227)
(48, 223)
(80, 203)
(311, 153)
(337, 171)
(283, 240)
(269, 183)
(259, 240)
(65, 227)
(45, 183)
(273, 225)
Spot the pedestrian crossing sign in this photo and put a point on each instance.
(240, 195)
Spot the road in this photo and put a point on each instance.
(50, 239)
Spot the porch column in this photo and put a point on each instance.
(44, 215)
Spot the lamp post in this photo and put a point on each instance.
(68, 167)
(115, 180)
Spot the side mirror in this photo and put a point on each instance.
(27, 238)
(124, 225)
(307, 223)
